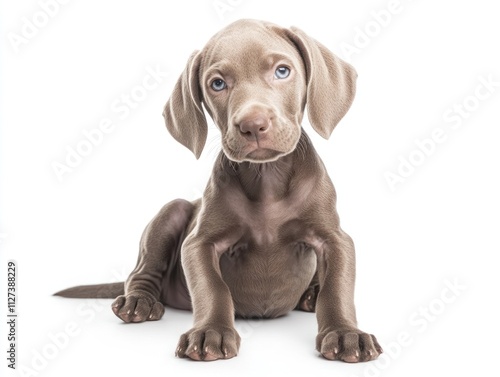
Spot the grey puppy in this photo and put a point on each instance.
(265, 237)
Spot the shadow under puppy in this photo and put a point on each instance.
(265, 237)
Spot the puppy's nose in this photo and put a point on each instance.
(255, 127)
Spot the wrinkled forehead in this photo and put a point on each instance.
(251, 45)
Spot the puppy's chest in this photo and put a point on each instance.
(269, 268)
(265, 224)
(270, 265)
(272, 226)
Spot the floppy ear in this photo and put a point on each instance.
(183, 113)
(331, 83)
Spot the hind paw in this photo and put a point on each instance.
(307, 302)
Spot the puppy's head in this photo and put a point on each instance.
(255, 79)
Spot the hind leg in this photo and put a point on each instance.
(307, 301)
(159, 256)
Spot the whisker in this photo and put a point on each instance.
(214, 146)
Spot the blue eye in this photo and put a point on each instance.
(282, 72)
(218, 85)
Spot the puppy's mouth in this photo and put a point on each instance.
(257, 154)
(263, 155)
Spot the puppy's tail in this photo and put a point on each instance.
(111, 290)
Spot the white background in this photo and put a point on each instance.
(439, 227)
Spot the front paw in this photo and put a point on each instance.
(351, 345)
(138, 306)
(209, 343)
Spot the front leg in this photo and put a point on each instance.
(213, 335)
(338, 336)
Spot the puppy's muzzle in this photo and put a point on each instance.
(255, 127)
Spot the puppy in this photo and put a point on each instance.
(265, 238)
